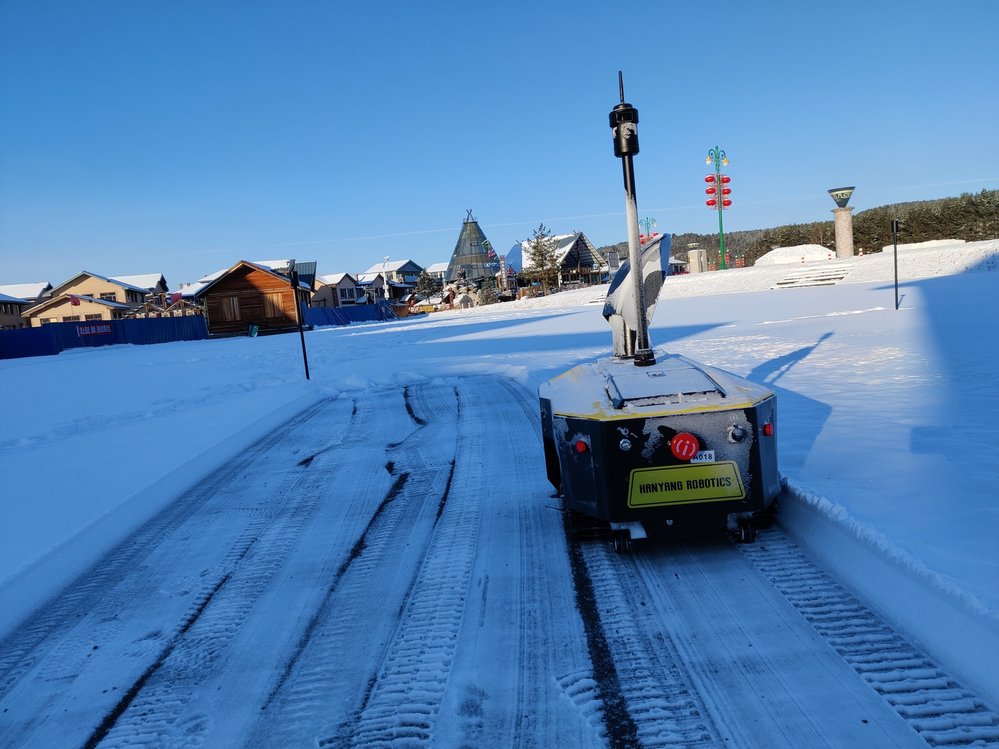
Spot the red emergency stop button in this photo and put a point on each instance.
(684, 446)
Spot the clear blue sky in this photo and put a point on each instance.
(179, 137)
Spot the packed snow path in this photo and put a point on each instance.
(389, 568)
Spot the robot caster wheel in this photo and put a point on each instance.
(621, 541)
(745, 532)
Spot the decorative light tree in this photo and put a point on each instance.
(718, 192)
(648, 224)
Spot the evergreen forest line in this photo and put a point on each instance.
(971, 217)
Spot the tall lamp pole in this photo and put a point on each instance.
(718, 192)
(648, 224)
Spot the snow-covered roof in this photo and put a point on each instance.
(802, 253)
(391, 265)
(437, 268)
(147, 281)
(189, 290)
(108, 279)
(58, 300)
(281, 266)
(563, 245)
(332, 279)
(274, 269)
(26, 290)
(13, 299)
(367, 278)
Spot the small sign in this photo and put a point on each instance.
(94, 329)
(686, 484)
(704, 456)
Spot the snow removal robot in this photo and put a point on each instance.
(641, 444)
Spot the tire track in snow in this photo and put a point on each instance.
(404, 696)
(91, 652)
(512, 677)
(328, 677)
(149, 709)
(647, 696)
(939, 709)
(24, 648)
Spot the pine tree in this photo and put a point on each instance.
(487, 293)
(427, 285)
(542, 255)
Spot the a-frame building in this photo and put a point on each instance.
(473, 258)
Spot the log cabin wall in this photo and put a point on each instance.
(248, 296)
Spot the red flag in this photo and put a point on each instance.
(74, 300)
(174, 298)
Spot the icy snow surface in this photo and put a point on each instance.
(887, 421)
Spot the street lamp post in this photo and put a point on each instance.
(648, 224)
(718, 192)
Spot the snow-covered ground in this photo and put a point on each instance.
(887, 419)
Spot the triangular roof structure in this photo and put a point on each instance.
(147, 281)
(571, 251)
(332, 279)
(245, 264)
(281, 266)
(473, 257)
(61, 298)
(69, 282)
(394, 265)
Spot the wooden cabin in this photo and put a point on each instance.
(249, 299)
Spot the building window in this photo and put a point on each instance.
(229, 306)
(109, 296)
(93, 317)
(71, 318)
(272, 304)
(347, 293)
(47, 320)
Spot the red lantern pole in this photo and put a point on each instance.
(718, 192)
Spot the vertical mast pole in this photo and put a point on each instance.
(624, 125)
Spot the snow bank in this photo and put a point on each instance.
(802, 253)
(926, 606)
(924, 245)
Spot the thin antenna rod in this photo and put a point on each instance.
(620, 84)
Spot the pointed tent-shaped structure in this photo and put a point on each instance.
(473, 257)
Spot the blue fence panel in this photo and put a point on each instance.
(319, 316)
(55, 337)
(27, 342)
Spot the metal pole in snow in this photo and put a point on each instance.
(894, 238)
(301, 329)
